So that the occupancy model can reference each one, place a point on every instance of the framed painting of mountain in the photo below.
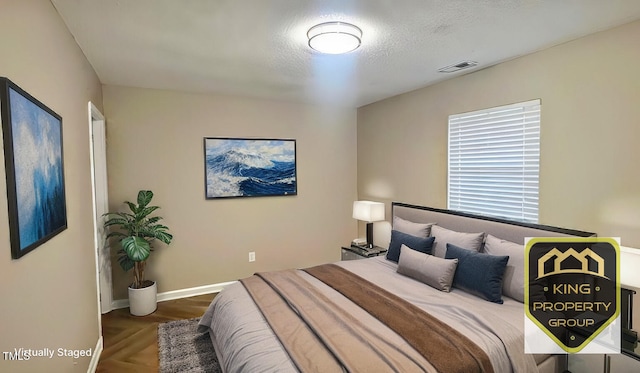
(237, 167)
(33, 156)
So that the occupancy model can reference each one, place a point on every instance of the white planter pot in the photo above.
(143, 301)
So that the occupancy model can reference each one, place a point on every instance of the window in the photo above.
(494, 158)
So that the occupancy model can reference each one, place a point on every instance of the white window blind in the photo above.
(494, 161)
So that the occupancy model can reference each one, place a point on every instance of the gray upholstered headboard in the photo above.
(462, 222)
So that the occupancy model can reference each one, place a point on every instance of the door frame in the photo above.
(99, 193)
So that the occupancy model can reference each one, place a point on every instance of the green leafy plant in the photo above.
(135, 232)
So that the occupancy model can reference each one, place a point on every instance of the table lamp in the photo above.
(629, 264)
(370, 212)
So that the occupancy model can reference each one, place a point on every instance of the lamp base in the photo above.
(369, 235)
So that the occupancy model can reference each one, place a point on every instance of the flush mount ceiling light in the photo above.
(334, 37)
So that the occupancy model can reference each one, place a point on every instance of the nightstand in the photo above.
(599, 363)
(355, 252)
(629, 358)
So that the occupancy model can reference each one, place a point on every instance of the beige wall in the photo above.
(589, 172)
(48, 297)
(155, 141)
(589, 146)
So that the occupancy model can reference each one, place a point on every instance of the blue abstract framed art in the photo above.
(33, 156)
(245, 167)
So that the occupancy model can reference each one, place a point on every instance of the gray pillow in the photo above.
(415, 229)
(435, 272)
(469, 241)
(513, 280)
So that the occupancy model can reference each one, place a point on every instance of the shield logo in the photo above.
(572, 288)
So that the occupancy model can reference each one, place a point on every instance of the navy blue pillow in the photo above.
(398, 238)
(478, 273)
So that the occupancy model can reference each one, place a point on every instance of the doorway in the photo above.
(97, 133)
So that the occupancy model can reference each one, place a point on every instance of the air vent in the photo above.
(458, 66)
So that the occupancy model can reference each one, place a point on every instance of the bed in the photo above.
(414, 309)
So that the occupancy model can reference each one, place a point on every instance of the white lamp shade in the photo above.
(334, 37)
(629, 264)
(368, 211)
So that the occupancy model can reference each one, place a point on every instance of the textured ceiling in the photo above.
(259, 48)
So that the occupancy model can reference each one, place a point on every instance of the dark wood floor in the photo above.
(131, 342)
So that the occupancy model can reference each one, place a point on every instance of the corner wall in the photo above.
(589, 132)
(48, 297)
(155, 141)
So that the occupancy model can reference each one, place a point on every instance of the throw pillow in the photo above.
(513, 281)
(477, 273)
(469, 241)
(428, 269)
(409, 227)
(417, 243)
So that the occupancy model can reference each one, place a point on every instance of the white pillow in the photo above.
(428, 269)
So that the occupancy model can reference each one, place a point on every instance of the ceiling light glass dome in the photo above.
(334, 37)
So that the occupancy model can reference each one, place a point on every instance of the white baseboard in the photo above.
(119, 303)
(178, 294)
(95, 357)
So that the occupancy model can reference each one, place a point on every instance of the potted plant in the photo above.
(135, 233)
